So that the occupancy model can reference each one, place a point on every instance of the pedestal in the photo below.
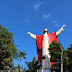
(44, 70)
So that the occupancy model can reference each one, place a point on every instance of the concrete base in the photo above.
(44, 70)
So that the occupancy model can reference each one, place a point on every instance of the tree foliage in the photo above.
(33, 65)
(69, 61)
(8, 50)
(55, 51)
(21, 55)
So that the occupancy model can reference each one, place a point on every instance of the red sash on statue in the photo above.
(39, 40)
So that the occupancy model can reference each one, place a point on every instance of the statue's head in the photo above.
(45, 30)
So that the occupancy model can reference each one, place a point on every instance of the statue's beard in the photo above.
(45, 32)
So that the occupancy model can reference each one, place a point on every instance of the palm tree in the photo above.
(33, 65)
(21, 56)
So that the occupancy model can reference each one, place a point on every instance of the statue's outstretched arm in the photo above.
(32, 35)
(60, 30)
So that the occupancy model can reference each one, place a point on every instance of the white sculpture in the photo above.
(46, 62)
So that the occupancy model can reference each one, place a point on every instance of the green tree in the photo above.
(55, 52)
(21, 55)
(56, 55)
(69, 60)
(8, 50)
(33, 65)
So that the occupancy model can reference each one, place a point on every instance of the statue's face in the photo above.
(45, 30)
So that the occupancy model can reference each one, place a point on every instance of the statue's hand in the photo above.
(28, 32)
(64, 25)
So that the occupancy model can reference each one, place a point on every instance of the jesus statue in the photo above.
(43, 42)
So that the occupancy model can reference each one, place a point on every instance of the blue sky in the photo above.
(22, 16)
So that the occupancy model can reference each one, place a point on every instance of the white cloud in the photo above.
(37, 5)
(57, 25)
(53, 21)
(45, 16)
(26, 20)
